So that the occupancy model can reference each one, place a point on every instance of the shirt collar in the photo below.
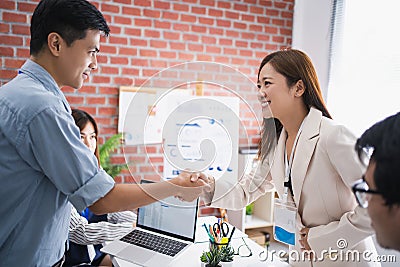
(37, 72)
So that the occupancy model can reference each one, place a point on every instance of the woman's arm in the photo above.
(121, 217)
(235, 194)
(84, 233)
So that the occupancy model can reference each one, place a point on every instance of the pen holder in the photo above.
(218, 245)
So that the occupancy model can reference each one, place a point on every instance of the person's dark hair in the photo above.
(384, 139)
(294, 65)
(82, 118)
(69, 18)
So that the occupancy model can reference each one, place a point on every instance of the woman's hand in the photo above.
(304, 239)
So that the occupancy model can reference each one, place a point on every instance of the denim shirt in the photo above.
(43, 165)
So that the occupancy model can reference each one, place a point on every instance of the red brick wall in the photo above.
(149, 36)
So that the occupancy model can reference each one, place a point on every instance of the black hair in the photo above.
(384, 139)
(69, 18)
(82, 118)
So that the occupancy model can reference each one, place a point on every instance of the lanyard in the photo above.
(288, 165)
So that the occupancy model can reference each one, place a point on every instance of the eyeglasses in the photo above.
(360, 190)
(244, 250)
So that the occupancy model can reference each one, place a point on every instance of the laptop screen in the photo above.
(170, 216)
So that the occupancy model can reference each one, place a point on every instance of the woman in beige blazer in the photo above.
(325, 165)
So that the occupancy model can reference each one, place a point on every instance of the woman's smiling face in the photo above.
(274, 93)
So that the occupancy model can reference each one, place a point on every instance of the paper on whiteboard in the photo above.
(202, 134)
(142, 113)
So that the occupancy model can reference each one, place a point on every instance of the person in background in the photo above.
(88, 231)
(379, 188)
(311, 163)
(38, 181)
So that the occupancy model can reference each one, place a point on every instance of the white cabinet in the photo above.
(262, 214)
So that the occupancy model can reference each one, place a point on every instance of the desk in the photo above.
(191, 257)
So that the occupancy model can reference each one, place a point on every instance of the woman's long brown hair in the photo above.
(294, 65)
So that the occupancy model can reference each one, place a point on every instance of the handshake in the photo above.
(191, 185)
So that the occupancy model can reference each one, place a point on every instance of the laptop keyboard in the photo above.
(154, 242)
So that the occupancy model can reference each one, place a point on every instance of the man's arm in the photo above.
(75, 171)
(132, 196)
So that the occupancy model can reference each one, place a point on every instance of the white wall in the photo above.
(311, 34)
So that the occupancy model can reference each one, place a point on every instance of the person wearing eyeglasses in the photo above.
(309, 160)
(379, 189)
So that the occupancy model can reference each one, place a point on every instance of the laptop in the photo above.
(165, 229)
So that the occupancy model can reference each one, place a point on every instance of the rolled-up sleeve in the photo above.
(58, 153)
(96, 187)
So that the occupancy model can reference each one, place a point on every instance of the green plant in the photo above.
(203, 257)
(227, 253)
(250, 209)
(105, 152)
(212, 258)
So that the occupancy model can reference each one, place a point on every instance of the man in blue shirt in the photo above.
(43, 163)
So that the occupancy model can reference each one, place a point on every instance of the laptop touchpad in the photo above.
(138, 255)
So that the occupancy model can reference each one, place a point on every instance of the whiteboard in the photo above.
(197, 132)
(202, 134)
(142, 112)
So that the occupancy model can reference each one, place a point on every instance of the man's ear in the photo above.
(299, 88)
(54, 42)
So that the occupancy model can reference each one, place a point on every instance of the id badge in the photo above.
(285, 213)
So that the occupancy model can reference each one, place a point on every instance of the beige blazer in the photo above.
(324, 168)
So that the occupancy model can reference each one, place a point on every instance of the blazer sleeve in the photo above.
(236, 193)
(354, 225)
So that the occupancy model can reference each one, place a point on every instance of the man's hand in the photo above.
(208, 191)
(189, 185)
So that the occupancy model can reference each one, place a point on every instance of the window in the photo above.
(364, 80)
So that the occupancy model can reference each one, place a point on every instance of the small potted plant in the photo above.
(211, 258)
(249, 212)
(227, 253)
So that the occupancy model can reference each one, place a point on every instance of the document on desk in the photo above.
(201, 234)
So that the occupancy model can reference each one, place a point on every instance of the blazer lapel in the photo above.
(304, 151)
